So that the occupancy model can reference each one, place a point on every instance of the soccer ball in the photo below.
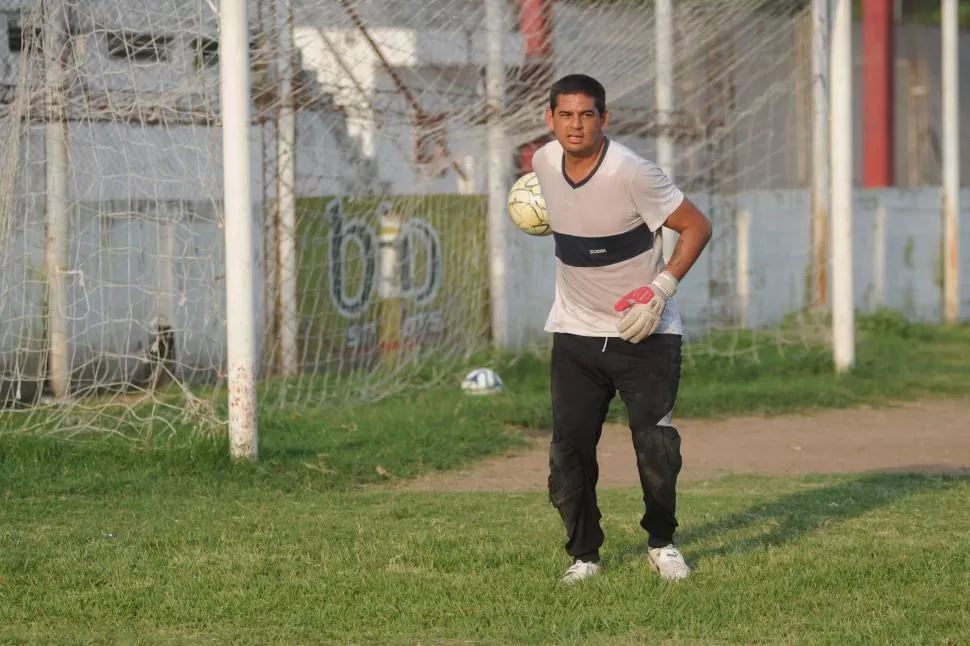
(527, 207)
(482, 381)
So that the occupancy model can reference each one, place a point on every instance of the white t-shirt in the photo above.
(607, 230)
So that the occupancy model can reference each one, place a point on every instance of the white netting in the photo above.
(110, 116)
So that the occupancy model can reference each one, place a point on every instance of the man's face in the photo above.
(577, 124)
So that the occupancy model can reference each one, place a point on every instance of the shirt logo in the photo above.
(596, 251)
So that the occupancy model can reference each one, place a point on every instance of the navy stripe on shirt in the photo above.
(602, 251)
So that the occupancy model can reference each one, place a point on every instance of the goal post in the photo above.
(238, 221)
(216, 211)
(54, 21)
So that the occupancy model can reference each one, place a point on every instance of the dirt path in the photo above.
(929, 437)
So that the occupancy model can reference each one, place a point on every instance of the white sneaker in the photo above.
(669, 562)
(581, 570)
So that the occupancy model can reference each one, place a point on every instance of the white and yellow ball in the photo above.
(527, 207)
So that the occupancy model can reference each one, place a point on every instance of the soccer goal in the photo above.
(300, 204)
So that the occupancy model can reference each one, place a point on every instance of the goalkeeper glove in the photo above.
(644, 307)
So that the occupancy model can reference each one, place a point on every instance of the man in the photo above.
(615, 327)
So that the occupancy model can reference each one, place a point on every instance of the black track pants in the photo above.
(586, 374)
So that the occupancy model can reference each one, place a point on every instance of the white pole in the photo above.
(879, 256)
(664, 96)
(286, 195)
(742, 259)
(240, 260)
(820, 150)
(165, 266)
(951, 162)
(664, 89)
(58, 206)
(843, 324)
(389, 284)
(499, 170)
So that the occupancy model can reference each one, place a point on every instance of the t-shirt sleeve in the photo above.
(654, 195)
(541, 165)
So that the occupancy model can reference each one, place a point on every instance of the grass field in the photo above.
(103, 541)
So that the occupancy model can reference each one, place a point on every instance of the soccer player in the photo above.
(615, 326)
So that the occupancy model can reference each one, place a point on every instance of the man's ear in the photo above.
(606, 117)
(549, 123)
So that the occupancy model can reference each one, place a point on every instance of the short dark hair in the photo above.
(578, 84)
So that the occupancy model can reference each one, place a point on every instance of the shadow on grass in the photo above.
(795, 515)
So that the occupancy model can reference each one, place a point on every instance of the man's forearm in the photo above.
(688, 249)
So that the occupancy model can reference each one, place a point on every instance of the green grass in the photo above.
(212, 558)
(747, 373)
(441, 428)
(895, 361)
(168, 541)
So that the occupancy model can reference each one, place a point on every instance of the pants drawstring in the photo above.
(605, 339)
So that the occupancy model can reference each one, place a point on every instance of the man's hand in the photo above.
(644, 306)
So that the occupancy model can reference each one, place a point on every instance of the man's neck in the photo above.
(578, 166)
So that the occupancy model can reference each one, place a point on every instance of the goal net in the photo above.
(369, 167)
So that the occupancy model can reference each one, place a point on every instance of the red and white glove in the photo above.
(643, 308)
